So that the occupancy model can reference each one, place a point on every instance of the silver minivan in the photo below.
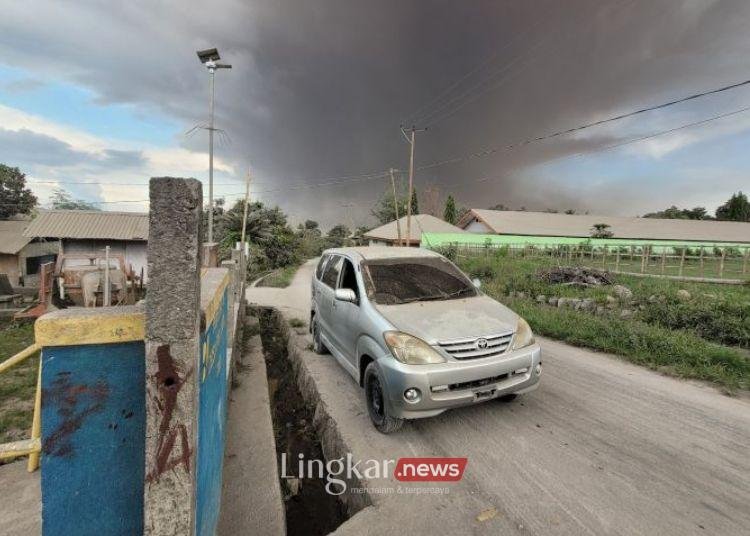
(417, 334)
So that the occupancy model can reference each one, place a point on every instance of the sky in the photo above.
(97, 97)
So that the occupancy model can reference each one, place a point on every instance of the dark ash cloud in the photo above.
(319, 89)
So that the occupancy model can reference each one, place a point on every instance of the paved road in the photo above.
(602, 447)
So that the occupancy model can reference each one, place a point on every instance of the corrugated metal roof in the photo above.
(420, 223)
(550, 224)
(89, 224)
(12, 239)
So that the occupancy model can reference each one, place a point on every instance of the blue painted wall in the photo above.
(212, 414)
(93, 426)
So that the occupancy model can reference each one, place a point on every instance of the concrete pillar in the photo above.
(172, 351)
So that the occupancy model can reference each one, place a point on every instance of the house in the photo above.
(88, 232)
(387, 235)
(21, 256)
(544, 224)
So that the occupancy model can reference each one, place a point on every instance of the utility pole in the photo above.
(244, 216)
(212, 72)
(411, 141)
(395, 205)
(210, 58)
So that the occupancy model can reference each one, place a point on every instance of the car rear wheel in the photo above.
(376, 406)
(318, 346)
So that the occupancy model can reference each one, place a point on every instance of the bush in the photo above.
(674, 351)
(727, 322)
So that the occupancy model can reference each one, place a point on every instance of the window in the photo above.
(396, 281)
(349, 277)
(321, 266)
(331, 271)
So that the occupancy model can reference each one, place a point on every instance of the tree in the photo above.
(414, 202)
(385, 210)
(449, 214)
(338, 236)
(737, 208)
(62, 200)
(675, 213)
(601, 230)
(15, 198)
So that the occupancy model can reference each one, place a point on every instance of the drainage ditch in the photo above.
(310, 510)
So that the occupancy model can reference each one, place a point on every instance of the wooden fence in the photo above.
(723, 263)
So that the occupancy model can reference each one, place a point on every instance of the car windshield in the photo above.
(395, 281)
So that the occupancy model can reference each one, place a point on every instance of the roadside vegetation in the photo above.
(17, 385)
(686, 329)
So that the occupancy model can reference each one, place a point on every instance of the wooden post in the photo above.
(663, 259)
(617, 261)
(395, 205)
(721, 262)
(604, 257)
(643, 259)
(702, 263)
(744, 261)
(682, 261)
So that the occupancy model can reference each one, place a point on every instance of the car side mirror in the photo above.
(345, 294)
(477, 282)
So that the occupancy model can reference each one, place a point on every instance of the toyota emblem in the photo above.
(481, 344)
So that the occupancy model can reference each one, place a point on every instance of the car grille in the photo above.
(475, 349)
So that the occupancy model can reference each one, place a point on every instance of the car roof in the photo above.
(383, 252)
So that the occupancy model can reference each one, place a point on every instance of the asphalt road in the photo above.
(602, 447)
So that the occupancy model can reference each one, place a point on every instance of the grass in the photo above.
(17, 385)
(706, 336)
(281, 278)
(675, 352)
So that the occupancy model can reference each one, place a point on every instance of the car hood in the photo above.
(434, 321)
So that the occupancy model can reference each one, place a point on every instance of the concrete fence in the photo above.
(134, 399)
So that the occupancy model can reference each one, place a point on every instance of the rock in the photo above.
(520, 294)
(600, 310)
(683, 295)
(553, 301)
(622, 292)
(588, 304)
(652, 299)
(573, 303)
(541, 298)
(626, 313)
(611, 302)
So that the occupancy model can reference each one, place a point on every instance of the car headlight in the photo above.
(411, 350)
(524, 336)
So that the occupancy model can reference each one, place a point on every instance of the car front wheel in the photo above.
(376, 405)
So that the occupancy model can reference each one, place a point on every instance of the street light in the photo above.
(209, 58)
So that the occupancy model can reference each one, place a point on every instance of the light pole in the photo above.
(209, 58)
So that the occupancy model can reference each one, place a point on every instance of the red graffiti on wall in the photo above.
(73, 403)
(169, 383)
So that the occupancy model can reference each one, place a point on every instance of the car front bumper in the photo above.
(458, 383)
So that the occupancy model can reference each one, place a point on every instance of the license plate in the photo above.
(479, 395)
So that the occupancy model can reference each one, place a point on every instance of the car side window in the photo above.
(331, 272)
(321, 266)
(349, 277)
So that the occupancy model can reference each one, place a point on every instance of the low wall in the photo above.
(93, 421)
(134, 399)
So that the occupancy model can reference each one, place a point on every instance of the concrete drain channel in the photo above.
(310, 510)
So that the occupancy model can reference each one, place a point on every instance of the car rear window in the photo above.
(395, 281)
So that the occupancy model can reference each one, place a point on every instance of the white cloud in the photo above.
(110, 180)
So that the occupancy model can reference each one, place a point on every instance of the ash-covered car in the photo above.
(417, 334)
